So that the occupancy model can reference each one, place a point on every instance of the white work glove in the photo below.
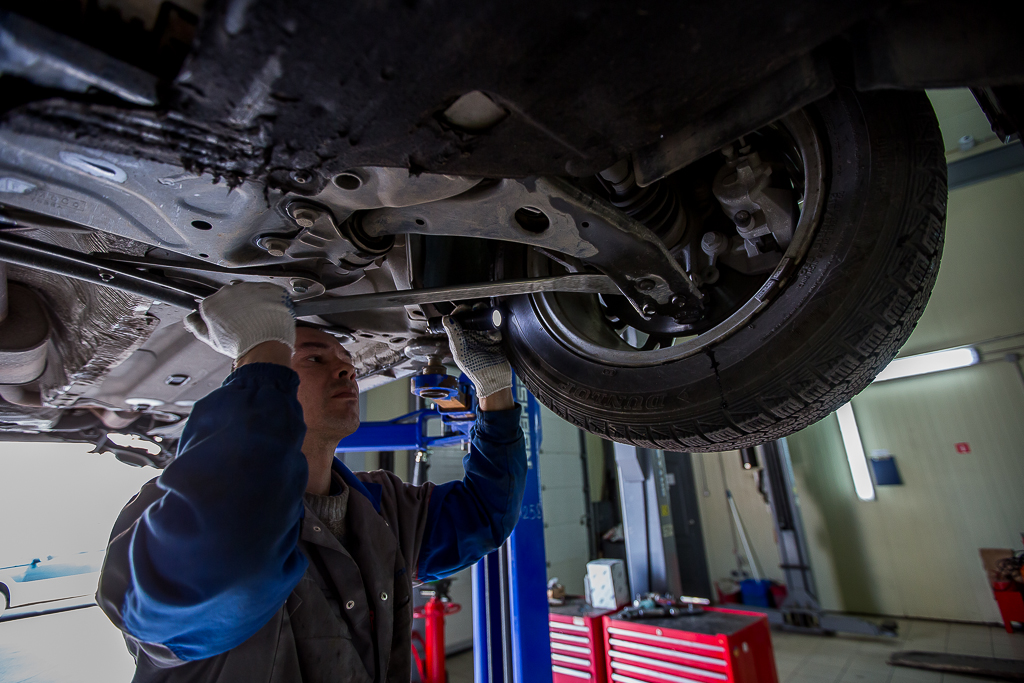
(479, 355)
(242, 315)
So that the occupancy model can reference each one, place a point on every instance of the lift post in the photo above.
(651, 556)
(651, 552)
(510, 605)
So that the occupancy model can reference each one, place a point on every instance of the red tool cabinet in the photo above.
(719, 645)
(577, 643)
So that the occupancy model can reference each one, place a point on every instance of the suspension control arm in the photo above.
(554, 215)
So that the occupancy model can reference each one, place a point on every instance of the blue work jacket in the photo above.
(218, 571)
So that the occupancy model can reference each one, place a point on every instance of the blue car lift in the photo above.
(510, 606)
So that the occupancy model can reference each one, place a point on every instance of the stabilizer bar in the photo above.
(127, 277)
(22, 251)
(583, 283)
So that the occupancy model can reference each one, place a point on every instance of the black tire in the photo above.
(841, 318)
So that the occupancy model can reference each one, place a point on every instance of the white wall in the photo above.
(561, 478)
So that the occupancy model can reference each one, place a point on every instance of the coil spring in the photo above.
(657, 206)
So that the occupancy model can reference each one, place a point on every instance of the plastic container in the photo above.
(728, 592)
(779, 593)
(755, 593)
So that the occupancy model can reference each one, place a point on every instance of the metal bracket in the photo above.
(741, 187)
(408, 432)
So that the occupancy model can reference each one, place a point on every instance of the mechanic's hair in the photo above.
(298, 324)
(311, 326)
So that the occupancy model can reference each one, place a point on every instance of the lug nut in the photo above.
(648, 310)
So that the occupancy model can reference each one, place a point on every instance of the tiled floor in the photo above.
(852, 659)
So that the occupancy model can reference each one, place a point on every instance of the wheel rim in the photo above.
(577, 320)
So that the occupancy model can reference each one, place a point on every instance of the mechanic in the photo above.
(257, 555)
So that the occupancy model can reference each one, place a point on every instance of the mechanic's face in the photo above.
(327, 387)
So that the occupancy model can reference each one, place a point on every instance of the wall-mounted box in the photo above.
(883, 466)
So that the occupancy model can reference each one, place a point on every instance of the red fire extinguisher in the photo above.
(432, 670)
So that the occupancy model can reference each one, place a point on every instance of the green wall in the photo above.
(981, 278)
(914, 550)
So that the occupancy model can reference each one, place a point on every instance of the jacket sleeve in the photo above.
(209, 561)
(469, 518)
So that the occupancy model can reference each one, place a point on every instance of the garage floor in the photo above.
(81, 646)
(843, 659)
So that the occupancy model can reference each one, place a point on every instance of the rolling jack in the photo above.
(431, 666)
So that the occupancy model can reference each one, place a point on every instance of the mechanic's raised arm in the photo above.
(468, 519)
(210, 560)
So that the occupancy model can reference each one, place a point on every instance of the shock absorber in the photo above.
(657, 206)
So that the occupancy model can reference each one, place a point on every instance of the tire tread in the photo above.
(865, 344)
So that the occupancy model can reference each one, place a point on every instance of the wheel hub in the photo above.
(738, 275)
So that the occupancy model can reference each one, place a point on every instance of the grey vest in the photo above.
(322, 632)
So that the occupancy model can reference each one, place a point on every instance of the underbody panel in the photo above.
(404, 156)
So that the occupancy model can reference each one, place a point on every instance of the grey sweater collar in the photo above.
(331, 509)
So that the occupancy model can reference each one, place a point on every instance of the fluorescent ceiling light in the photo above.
(924, 363)
(855, 453)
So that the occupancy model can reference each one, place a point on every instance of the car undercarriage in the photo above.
(636, 186)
